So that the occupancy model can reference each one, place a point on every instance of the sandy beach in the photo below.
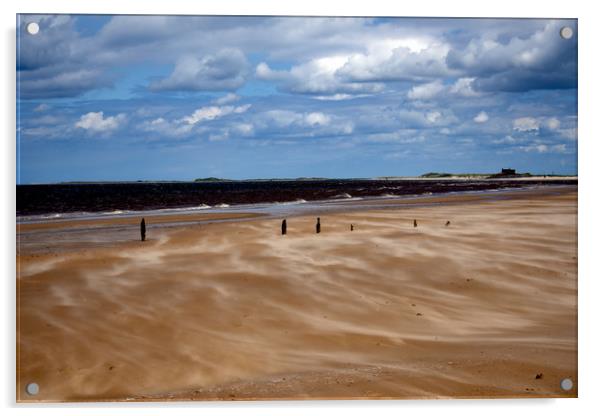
(485, 307)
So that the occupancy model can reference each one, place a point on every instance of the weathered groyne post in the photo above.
(318, 227)
(284, 227)
(415, 224)
(351, 227)
(142, 230)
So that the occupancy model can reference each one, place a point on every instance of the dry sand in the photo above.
(237, 311)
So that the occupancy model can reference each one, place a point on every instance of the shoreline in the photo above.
(104, 231)
(271, 209)
(302, 195)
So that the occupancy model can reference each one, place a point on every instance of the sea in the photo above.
(46, 202)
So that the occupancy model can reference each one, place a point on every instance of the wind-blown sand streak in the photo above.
(237, 311)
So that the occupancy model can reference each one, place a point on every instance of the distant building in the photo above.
(509, 173)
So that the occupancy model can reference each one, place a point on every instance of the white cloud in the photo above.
(544, 148)
(482, 117)
(418, 119)
(167, 128)
(397, 155)
(227, 99)
(317, 76)
(570, 134)
(281, 118)
(338, 97)
(403, 136)
(318, 122)
(317, 119)
(47, 119)
(526, 124)
(517, 62)
(242, 108)
(552, 123)
(463, 87)
(41, 107)
(213, 112)
(284, 118)
(224, 70)
(96, 122)
(403, 58)
(433, 116)
(507, 140)
(243, 129)
(426, 91)
(219, 137)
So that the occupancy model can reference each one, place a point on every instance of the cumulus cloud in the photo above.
(196, 123)
(395, 81)
(433, 116)
(96, 122)
(53, 64)
(411, 119)
(406, 58)
(166, 128)
(224, 70)
(482, 117)
(552, 123)
(232, 131)
(507, 140)
(52, 48)
(539, 60)
(570, 134)
(426, 91)
(284, 118)
(544, 148)
(317, 76)
(243, 129)
(60, 82)
(526, 124)
(327, 56)
(365, 65)
(315, 121)
(463, 87)
(41, 107)
(227, 99)
(214, 112)
(402, 136)
(339, 97)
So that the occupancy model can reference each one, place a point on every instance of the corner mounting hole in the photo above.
(566, 32)
(566, 384)
(32, 389)
(33, 28)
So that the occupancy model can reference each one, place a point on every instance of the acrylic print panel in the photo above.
(234, 208)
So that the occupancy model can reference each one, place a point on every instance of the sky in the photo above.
(108, 98)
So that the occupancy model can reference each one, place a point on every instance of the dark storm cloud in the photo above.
(53, 64)
(540, 60)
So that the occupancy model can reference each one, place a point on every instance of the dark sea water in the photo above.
(58, 199)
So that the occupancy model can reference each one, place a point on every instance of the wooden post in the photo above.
(142, 230)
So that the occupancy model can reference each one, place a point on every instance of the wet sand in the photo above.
(236, 311)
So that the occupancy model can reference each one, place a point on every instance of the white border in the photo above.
(590, 371)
